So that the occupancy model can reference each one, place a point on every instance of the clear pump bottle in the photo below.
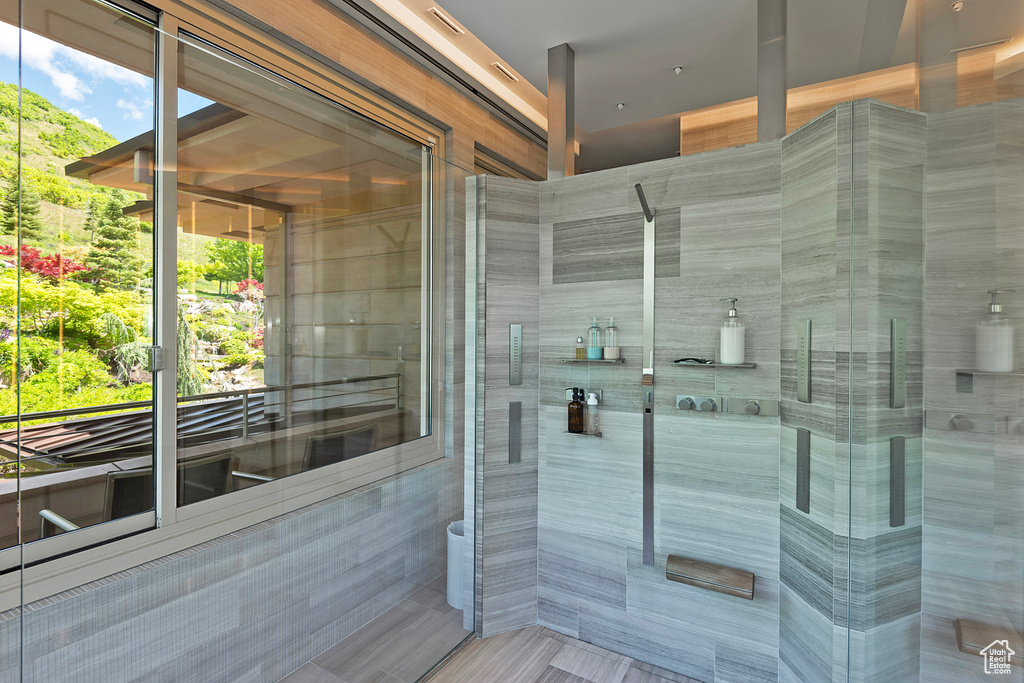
(592, 425)
(611, 341)
(594, 348)
(993, 342)
(733, 337)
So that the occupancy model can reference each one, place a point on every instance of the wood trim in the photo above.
(712, 577)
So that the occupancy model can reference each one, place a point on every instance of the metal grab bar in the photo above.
(54, 519)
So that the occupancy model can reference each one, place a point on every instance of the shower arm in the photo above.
(648, 214)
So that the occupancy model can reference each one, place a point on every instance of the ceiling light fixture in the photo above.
(504, 71)
(678, 70)
(620, 105)
(958, 5)
(445, 20)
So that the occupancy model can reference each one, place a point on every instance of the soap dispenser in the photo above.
(581, 349)
(611, 341)
(594, 348)
(592, 426)
(993, 338)
(733, 337)
(576, 413)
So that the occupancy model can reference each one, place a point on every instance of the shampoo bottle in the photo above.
(581, 349)
(733, 337)
(993, 338)
(611, 341)
(594, 347)
(576, 408)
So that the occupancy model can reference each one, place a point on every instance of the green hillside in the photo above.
(50, 139)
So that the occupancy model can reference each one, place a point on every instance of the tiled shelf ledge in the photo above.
(985, 373)
(689, 364)
(592, 360)
(596, 434)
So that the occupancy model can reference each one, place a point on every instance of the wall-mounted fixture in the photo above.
(703, 404)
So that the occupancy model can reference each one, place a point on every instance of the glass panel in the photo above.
(77, 266)
(302, 281)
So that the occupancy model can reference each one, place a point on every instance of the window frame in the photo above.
(64, 561)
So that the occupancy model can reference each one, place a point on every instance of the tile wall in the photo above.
(250, 606)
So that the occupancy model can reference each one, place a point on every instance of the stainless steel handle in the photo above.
(708, 405)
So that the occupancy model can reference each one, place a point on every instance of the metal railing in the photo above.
(246, 396)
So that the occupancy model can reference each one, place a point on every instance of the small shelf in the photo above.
(592, 360)
(597, 435)
(691, 364)
(972, 371)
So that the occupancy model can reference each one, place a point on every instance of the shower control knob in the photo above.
(752, 408)
(685, 403)
(708, 405)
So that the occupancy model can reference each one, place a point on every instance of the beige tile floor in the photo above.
(539, 655)
(399, 646)
(404, 643)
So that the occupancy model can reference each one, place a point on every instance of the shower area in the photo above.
(847, 503)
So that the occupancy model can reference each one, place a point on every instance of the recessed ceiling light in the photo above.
(504, 71)
(678, 70)
(958, 5)
(620, 105)
(440, 16)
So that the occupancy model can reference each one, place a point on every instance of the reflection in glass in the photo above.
(300, 282)
(75, 267)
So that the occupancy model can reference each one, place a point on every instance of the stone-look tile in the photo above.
(603, 193)
(598, 249)
(716, 527)
(582, 567)
(713, 615)
(942, 661)
(228, 593)
(890, 652)
(555, 675)
(506, 227)
(806, 561)
(590, 666)
(805, 640)
(707, 456)
(736, 661)
(886, 578)
(558, 611)
(649, 639)
(592, 486)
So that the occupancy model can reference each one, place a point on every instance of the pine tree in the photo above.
(114, 253)
(31, 224)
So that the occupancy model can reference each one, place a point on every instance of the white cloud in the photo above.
(66, 68)
(132, 110)
(93, 120)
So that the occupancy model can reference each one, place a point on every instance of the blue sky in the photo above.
(117, 99)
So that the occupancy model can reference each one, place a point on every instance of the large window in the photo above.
(301, 242)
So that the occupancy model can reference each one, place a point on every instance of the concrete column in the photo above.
(561, 111)
(771, 69)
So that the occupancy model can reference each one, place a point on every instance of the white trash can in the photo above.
(456, 535)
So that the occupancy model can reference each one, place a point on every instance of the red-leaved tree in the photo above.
(53, 267)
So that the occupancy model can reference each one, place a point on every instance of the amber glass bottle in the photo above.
(577, 415)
